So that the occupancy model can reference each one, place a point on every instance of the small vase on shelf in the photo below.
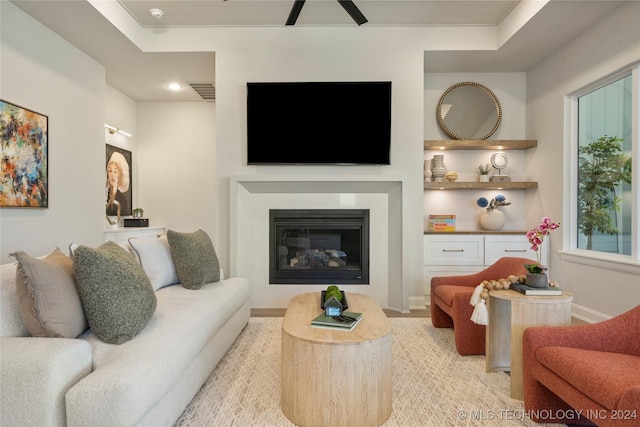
(437, 168)
(492, 220)
(484, 178)
(427, 170)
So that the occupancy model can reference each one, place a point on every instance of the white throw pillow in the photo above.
(155, 257)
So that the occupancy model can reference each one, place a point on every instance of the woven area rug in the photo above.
(432, 384)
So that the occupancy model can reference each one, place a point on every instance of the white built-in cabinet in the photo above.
(457, 254)
(122, 235)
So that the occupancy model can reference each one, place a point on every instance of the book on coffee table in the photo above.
(528, 290)
(327, 322)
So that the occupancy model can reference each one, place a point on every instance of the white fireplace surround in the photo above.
(253, 195)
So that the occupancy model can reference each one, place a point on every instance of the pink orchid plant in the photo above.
(536, 237)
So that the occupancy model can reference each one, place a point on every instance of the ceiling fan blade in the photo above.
(353, 11)
(295, 11)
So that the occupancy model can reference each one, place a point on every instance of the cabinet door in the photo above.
(430, 271)
(516, 245)
(453, 250)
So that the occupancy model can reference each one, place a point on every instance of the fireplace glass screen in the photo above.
(319, 246)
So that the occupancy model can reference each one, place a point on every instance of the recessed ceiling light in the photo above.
(174, 86)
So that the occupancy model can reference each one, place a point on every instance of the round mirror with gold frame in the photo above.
(469, 110)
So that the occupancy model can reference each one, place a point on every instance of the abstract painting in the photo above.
(24, 158)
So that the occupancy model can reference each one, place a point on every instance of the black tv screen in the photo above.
(319, 123)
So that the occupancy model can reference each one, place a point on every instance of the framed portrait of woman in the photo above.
(118, 182)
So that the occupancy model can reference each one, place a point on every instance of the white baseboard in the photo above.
(417, 303)
(587, 315)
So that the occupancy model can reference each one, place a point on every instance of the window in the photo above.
(604, 192)
(605, 201)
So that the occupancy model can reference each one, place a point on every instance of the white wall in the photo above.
(602, 50)
(177, 166)
(122, 112)
(326, 55)
(42, 72)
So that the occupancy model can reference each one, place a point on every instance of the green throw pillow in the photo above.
(195, 259)
(116, 293)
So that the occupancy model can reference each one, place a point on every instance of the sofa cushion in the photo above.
(130, 378)
(48, 296)
(154, 255)
(115, 291)
(446, 292)
(604, 377)
(194, 257)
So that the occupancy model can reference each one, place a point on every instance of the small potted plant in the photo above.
(484, 173)
(137, 213)
(536, 273)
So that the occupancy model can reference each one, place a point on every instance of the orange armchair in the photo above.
(591, 371)
(450, 306)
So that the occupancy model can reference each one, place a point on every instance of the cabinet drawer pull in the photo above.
(515, 250)
(453, 250)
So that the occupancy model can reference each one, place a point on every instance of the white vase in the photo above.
(492, 221)
(427, 170)
(437, 168)
(484, 178)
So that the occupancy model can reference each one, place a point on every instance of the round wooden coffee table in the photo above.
(336, 378)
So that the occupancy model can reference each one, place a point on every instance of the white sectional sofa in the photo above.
(148, 380)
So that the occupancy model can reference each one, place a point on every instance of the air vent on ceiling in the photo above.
(206, 90)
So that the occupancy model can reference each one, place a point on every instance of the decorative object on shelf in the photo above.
(137, 213)
(437, 168)
(442, 223)
(451, 176)
(536, 273)
(499, 161)
(136, 222)
(469, 110)
(25, 151)
(492, 219)
(484, 173)
(427, 170)
(498, 200)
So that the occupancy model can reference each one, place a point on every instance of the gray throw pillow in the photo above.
(115, 291)
(48, 296)
(194, 257)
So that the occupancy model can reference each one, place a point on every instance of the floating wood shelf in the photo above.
(480, 144)
(480, 185)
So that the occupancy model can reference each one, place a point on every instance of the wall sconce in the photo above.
(112, 130)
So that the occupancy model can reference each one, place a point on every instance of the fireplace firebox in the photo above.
(311, 246)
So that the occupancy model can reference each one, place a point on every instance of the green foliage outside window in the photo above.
(602, 168)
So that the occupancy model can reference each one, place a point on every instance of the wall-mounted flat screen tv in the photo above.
(319, 123)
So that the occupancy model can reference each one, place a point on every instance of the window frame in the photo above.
(570, 251)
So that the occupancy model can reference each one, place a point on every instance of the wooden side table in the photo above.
(336, 378)
(510, 313)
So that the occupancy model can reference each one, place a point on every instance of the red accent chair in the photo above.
(450, 306)
(592, 369)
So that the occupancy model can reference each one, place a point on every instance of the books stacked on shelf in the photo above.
(442, 223)
(528, 290)
(342, 323)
